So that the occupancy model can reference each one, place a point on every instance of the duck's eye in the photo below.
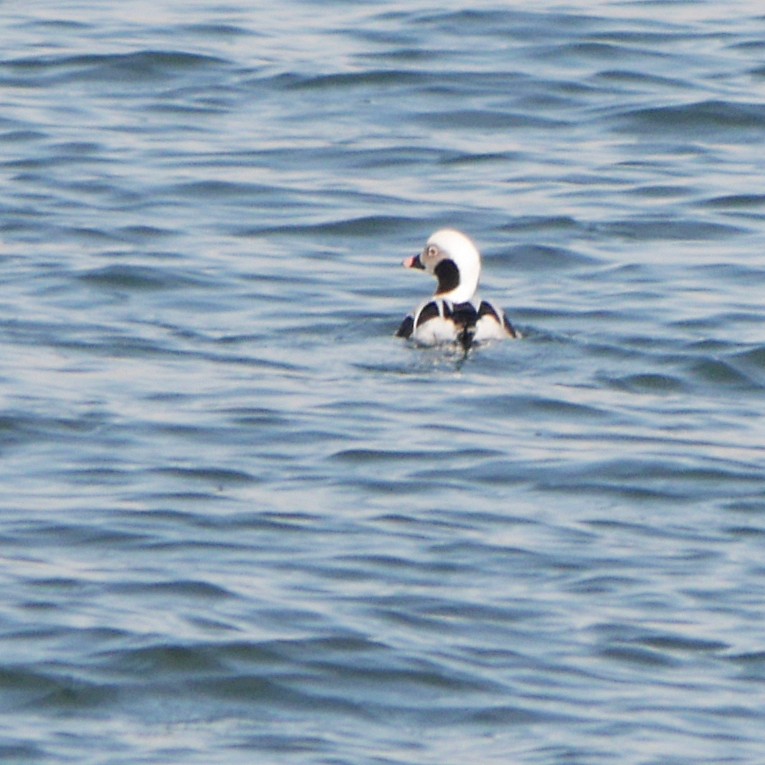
(431, 251)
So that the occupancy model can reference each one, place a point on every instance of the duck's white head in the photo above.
(454, 260)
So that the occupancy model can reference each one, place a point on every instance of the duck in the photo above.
(454, 315)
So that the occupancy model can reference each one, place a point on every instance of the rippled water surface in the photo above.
(241, 522)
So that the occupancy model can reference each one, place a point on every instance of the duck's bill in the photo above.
(413, 262)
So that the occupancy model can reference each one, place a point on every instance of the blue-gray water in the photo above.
(240, 522)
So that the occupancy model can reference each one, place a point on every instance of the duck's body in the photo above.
(439, 321)
(454, 314)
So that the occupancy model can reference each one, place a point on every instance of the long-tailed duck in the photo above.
(454, 314)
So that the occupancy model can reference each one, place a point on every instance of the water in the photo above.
(241, 522)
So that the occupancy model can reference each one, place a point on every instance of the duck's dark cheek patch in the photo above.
(448, 276)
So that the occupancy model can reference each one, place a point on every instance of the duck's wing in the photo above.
(422, 315)
(406, 328)
(488, 309)
(431, 324)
